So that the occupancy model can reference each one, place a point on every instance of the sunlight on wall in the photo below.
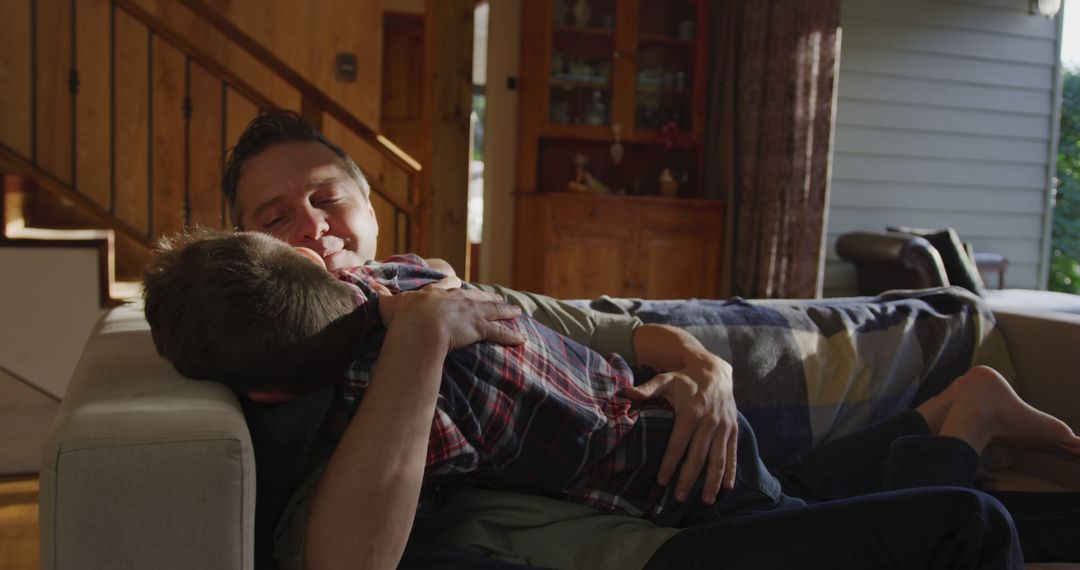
(1070, 35)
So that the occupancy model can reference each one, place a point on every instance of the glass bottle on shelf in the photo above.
(666, 54)
(583, 48)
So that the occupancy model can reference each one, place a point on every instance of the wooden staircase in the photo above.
(18, 192)
(117, 130)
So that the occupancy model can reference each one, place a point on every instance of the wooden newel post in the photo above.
(448, 35)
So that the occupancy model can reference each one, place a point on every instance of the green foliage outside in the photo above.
(1065, 245)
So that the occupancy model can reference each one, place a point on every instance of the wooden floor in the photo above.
(19, 523)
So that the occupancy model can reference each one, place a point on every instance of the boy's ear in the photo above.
(271, 396)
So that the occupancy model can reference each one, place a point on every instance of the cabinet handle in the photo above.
(628, 284)
(641, 286)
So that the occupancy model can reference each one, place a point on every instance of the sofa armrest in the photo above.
(1043, 350)
(144, 468)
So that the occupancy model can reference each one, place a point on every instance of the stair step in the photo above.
(125, 291)
(50, 234)
(119, 292)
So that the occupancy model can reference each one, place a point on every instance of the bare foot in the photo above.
(984, 408)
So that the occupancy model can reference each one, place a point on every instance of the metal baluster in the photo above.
(187, 140)
(150, 134)
(73, 88)
(33, 82)
(221, 158)
(112, 109)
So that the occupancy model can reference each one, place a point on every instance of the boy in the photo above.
(548, 415)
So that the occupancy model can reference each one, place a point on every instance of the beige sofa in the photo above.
(145, 469)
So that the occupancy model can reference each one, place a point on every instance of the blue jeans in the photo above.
(888, 496)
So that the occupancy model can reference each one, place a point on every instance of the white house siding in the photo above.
(944, 118)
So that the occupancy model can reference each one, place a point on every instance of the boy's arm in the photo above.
(363, 507)
(698, 385)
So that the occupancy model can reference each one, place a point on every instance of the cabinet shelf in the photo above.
(635, 69)
(576, 31)
(604, 85)
(666, 40)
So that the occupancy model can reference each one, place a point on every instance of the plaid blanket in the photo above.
(810, 370)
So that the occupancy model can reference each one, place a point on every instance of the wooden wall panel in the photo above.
(92, 112)
(168, 137)
(384, 213)
(53, 98)
(131, 124)
(15, 127)
(403, 73)
(239, 111)
(205, 148)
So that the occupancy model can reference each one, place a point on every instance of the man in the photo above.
(285, 179)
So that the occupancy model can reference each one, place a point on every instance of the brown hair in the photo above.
(265, 131)
(246, 310)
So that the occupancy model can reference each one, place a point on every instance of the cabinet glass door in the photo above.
(665, 63)
(582, 62)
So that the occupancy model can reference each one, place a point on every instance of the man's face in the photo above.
(300, 193)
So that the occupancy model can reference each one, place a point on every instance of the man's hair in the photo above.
(246, 310)
(274, 128)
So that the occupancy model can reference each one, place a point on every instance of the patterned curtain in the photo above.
(769, 139)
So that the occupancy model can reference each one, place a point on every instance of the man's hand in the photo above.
(462, 317)
(698, 385)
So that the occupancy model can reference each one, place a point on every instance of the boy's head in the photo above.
(246, 310)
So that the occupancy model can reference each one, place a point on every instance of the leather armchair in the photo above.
(892, 260)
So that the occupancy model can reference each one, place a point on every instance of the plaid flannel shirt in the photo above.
(546, 416)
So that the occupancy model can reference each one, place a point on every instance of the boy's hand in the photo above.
(706, 430)
(699, 386)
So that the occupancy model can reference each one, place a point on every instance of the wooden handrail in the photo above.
(203, 59)
(309, 92)
(58, 188)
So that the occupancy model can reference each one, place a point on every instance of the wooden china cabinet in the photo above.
(611, 130)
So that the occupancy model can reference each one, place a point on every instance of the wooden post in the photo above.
(448, 35)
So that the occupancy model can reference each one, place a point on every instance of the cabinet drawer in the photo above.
(592, 211)
(682, 216)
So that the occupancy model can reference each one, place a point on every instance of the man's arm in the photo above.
(363, 507)
(441, 265)
(698, 385)
(603, 332)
